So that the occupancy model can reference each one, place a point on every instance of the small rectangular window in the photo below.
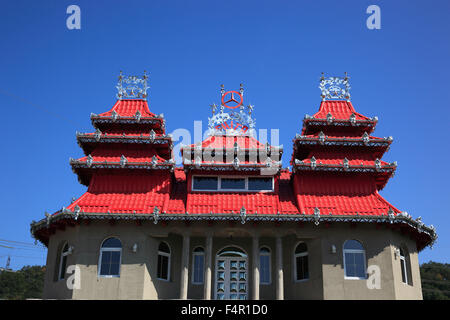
(232, 183)
(205, 183)
(260, 184)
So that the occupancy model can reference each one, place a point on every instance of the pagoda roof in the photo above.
(88, 141)
(338, 113)
(128, 108)
(139, 197)
(243, 142)
(128, 111)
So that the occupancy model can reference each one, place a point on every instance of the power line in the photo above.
(22, 243)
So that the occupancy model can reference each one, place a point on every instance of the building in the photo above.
(231, 223)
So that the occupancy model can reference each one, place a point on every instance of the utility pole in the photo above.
(8, 262)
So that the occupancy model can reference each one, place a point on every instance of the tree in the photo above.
(435, 280)
(25, 283)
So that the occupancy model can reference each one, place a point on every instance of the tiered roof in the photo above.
(130, 173)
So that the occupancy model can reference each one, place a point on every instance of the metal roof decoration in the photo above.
(132, 87)
(334, 88)
(232, 118)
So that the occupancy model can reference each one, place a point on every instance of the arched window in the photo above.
(198, 263)
(110, 258)
(301, 270)
(405, 266)
(264, 265)
(63, 261)
(163, 270)
(354, 260)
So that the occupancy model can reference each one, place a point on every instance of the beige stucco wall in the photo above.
(138, 270)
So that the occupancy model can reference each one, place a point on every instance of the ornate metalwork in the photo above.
(229, 121)
(316, 216)
(155, 215)
(243, 214)
(334, 88)
(123, 161)
(132, 87)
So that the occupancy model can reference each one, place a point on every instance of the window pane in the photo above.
(259, 184)
(115, 257)
(264, 269)
(302, 268)
(232, 183)
(163, 247)
(205, 183)
(198, 268)
(163, 267)
(354, 265)
(112, 243)
(105, 263)
(114, 270)
(62, 271)
(353, 244)
(301, 248)
(402, 265)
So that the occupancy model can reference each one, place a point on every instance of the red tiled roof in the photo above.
(128, 108)
(340, 195)
(339, 109)
(124, 193)
(224, 141)
(354, 158)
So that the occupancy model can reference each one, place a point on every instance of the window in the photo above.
(205, 183)
(354, 260)
(232, 183)
(63, 261)
(110, 258)
(405, 266)
(260, 184)
(163, 270)
(198, 262)
(301, 262)
(264, 265)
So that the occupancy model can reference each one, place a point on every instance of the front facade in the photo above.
(231, 223)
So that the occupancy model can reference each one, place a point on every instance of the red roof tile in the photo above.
(128, 108)
(340, 195)
(339, 109)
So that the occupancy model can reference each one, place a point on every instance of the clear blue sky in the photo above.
(52, 78)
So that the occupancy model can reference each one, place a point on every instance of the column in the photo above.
(255, 264)
(208, 258)
(184, 267)
(279, 269)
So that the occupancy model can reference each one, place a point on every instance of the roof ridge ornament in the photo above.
(132, 87)
(232, 118)
(337, 88)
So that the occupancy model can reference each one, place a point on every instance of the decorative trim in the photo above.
(391, 218)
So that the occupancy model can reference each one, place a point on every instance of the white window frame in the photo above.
(202, 253)
(296, 255)
(219, 182)
(165, 254)
(269, 254)
(100, 258)
(403, 265)
(62, 276)
(363, 251)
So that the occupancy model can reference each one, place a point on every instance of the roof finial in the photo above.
(132, 87)
(335, 88)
